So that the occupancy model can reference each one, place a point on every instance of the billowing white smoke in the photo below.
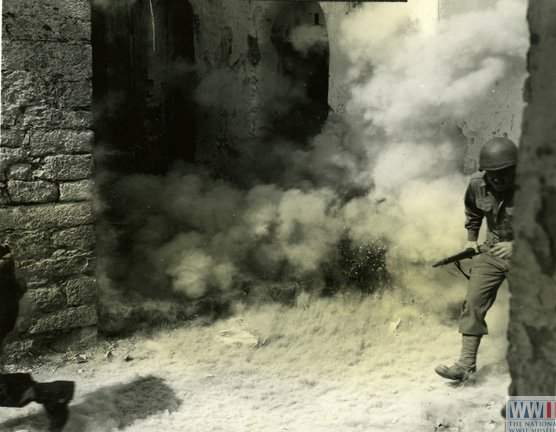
(421, 79)
(397, 146)
(417, 202)
(411, 85)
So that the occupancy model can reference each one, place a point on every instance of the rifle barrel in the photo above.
(467, 253)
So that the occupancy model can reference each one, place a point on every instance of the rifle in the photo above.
(467, 253)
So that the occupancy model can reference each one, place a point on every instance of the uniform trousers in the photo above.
(487, 274)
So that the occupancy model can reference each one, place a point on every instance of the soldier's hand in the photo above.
(502, 250)
(471, 245)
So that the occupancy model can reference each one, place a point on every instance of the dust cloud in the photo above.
(420, 80)
(390, 170)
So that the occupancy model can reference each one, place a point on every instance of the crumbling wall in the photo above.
(532, 328)
(46, 167)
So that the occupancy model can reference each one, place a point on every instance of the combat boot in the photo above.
(55, 397)
(467, 362)
(455, 372)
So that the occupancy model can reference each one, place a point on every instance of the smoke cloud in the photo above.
(390, 168)
(420, 80)
(412, 86)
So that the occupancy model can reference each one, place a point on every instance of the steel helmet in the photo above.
(497, 153)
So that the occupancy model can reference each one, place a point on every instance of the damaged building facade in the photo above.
(93, 91)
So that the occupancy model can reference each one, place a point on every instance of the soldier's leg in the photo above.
(16, 390)
(468, 354)
(55, 396)
(19, 389)
(486, 277)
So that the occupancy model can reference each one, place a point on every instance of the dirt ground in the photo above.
(344, 364)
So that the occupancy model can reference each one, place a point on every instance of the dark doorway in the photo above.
(300, 37)
(144, 119)
(143, 77)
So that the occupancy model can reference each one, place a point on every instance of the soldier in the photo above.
(489, 196)
(19, 389)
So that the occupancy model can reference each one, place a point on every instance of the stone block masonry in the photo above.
(46, 168)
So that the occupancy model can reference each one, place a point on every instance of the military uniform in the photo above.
(488, 272)
(489, 197)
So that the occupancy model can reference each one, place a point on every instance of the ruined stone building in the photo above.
(93, 91)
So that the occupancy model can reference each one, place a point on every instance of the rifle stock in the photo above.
(467, 253)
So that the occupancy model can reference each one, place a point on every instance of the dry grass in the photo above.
(343, 364)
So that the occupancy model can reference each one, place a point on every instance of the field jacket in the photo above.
(481, 202)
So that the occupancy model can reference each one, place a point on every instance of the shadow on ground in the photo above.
(108, 408)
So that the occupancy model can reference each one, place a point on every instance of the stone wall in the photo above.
(532, 329)
(46, 167)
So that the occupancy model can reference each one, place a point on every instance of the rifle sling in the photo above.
(458, 265)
